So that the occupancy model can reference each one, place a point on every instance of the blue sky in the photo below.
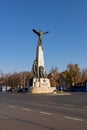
(66, 42)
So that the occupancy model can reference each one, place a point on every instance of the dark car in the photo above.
(22, 90)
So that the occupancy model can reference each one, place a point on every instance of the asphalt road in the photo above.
(43, 112)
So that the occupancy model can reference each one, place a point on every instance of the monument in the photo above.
(40, 83)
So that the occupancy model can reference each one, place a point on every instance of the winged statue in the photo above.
(40, 34)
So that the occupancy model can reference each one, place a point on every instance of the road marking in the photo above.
(11, 106)
(72, 118)
(69, 105)
(2, 117)
(46, 113)
(85, 106)
(26, 109)
(52, 103)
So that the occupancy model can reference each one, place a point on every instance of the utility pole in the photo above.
(24, 80)
(21, 79)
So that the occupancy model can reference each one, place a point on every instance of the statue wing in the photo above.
(36, 31)
(46, 32)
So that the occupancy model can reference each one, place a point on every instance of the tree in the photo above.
(54, 77)
(73, 74)
(16, 79)
(63, 78)
(83, 75)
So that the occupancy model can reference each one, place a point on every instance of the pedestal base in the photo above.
(41, 85)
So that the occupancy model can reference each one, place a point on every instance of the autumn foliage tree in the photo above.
(73, 74)
(54, 77)
(83, 76)
(16, 79)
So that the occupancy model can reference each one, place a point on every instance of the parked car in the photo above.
(22, 90)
